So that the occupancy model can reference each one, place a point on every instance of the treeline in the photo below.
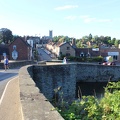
(6, 36)
(90, 41)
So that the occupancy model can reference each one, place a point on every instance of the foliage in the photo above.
(95, 59)
(82, 59)
(90, 108)
(61, 39)
(111, 101)
(6, 35)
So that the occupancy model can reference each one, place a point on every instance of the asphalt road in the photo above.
(43, 55)
(5, 76)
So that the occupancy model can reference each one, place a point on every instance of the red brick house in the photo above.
(19, 50)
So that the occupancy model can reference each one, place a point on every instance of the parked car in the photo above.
(104, 63)
(109, 63)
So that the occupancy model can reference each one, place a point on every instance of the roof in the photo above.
(65, 43)
(86, 50)
(21, 40)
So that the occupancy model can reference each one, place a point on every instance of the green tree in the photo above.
(90, 36)
(116, 43)
(79, 44)
(1, 38)
(56, 38)
(6, 35)
(113, 41)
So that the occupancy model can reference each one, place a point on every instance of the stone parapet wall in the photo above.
(14, 64)
(97, 73)
(49, 78)
(35, 105)
(40, 83)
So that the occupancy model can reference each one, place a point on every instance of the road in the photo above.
(5, 76)
(43, 55)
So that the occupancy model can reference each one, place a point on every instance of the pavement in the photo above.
(10, 105)
(22, 100)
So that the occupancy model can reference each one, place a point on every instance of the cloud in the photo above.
(71, 17)
(88, 19)
(66, 7)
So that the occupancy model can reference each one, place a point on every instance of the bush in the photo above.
(82, 59)
(90, 108)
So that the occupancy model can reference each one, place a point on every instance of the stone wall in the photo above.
(15, 64)
(61, 78)
(49, 78)
(53, 78)
(35, 106)
(97, 73)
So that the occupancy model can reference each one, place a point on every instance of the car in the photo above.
(111, 63)
(104, 63)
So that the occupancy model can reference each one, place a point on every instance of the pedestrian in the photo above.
(6, 62)
(64, 60)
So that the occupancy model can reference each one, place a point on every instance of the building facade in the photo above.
(19, 50)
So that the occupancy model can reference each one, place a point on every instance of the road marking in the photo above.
(1, 99)
(5, 90)
(2, 71)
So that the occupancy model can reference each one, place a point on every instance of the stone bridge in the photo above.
(38, 84)
(48, 78)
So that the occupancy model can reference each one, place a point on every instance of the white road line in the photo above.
(1, 99)
(5, 90)
(2, 71)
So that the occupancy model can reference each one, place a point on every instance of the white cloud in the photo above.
(71, 17)
(88, 19)
(66, 7)
(104, 20)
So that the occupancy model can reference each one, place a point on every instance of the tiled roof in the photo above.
(21, 40)
(86, 50)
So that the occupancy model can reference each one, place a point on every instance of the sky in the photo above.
(72, 18)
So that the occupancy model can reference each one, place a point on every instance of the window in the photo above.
(14, 47)
(68, 48)
(115, 57)
(81, 54)
(88, 55)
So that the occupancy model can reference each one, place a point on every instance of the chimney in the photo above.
(73, 43)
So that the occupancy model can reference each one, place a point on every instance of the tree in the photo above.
(6, 35)
(90, 36)
(116, 43)
(1, 38)
(79, 44)
(56, 38)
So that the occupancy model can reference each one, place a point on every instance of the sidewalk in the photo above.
(10, 105)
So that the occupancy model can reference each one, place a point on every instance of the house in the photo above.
(4, 51)
(87, 52)
(110, 51)
(66, 49)
(59, 49)
(19, 49)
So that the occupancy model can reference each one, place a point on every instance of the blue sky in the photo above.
(73, 18)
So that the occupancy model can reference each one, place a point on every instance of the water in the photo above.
(90, 88)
